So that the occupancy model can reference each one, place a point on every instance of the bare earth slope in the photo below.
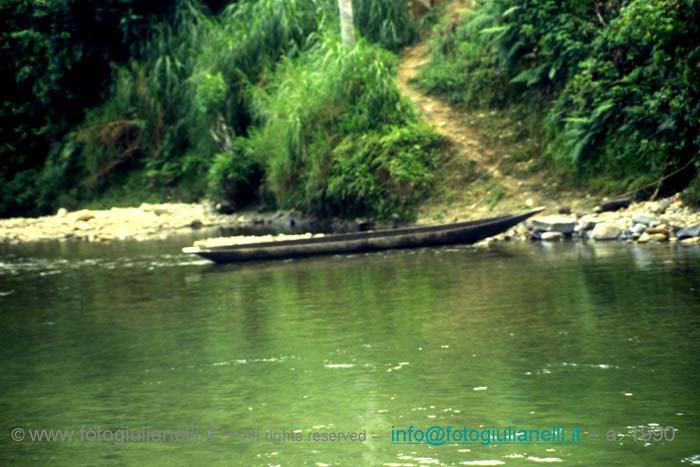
(480, 179)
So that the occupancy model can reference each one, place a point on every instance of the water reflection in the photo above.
(602, 336)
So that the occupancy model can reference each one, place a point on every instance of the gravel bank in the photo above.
(667, 220)
(146, 222)
(664, 221)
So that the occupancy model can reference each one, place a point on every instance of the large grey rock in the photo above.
(646, 219)
(689, 232)
(606, 231)
(666, 202)
(82, 225)
(562, 224)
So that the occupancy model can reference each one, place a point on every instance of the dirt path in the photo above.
(476, 181)
(447, 120)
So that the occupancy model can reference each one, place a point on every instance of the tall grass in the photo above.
(387, 22)
(185, 99)
(331, 117)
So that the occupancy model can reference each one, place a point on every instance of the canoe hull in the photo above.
(412, 237)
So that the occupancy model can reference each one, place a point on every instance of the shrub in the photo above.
(383, 173)
(507, 47)
(462, 71)
(634, 105)
(234, 177)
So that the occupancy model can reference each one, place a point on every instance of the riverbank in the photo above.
(160, 221)
(666, 220)
(145, 222)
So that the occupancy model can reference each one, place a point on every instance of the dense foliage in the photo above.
(127, 99)
(48, 49)
(339, 137)
(617, 81)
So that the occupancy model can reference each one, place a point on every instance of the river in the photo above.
(149, 357)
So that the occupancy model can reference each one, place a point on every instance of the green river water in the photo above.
(139, 337)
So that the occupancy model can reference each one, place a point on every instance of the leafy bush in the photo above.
(234, 177)
(19, 194)
(383, 173)
(56, 60)
(634, 105)
(462, 70)
(506, 47)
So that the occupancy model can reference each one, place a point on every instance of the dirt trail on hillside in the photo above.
(477, 184)
(447, 120)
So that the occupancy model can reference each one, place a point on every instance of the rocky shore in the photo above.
(667, 220)
(146, 222)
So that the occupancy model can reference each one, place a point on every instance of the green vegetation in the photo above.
(691, 195)
(257, 100)
(235, 176)
(230, 100)
(338, 136)
(610, 89)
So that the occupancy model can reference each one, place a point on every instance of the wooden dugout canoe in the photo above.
(406, 237)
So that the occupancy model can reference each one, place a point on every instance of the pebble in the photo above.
(83, 216)
(551, 236)
(659, 229)
(638, 229)
(584, 226)
(646, 237)
(675, 222)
